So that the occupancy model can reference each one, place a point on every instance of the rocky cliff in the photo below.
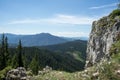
(105, 32)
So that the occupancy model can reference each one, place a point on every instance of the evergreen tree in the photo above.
(7, 59)
(14, 62)
(4, 53)
(34, 65)
(19, 48)
(24, 60)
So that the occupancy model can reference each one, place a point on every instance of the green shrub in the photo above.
(4, 71)
(115, 49)
(107, 71)
(115, 13)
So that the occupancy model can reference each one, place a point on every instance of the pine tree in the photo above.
(19, 48)
(4, 53)
(24, 60)
(7, 58)
(2, 56)
(14, 62)
(34, 65)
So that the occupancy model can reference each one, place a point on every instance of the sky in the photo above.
(68, 18)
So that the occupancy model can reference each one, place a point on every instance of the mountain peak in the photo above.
(35, 40)
(44, 34)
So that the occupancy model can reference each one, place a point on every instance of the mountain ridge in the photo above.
(40, 39)
(35, 40)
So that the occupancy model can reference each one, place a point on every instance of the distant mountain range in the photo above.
(41, 39)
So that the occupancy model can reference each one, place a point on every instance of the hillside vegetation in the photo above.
(68, 58)
(76, 48)
(104, 70)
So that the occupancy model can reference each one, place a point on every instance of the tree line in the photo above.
(18, 59)
(36, 58)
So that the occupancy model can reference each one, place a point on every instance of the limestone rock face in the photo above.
(17, 74)
(104, 33)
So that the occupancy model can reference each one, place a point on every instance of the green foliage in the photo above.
(107, 22)
(67, 59)
(29, 73)
(34, 65)
(115, 48)
(24, 61)
(4, 54)
(20, 60)
(107, 71)
(115, 51)
(4, 71)
(115, 13)
(78, 47)
(57, 61)
(14, 62)
(7, 55)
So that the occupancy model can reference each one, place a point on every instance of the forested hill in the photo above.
(78, 45)
(34, 40)
(58, 61)
(69, 56)
(75, 48)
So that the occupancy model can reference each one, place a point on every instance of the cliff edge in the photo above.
(105, 32)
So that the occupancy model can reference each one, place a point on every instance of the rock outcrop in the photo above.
(17, 74)
(104, 33)
(45, 70)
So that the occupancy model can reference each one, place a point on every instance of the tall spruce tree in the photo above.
(34, 65)
(20, 60)
(14, 61)
(4, 55)
(7, 58)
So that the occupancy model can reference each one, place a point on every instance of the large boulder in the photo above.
(45, 70)
(17, 74)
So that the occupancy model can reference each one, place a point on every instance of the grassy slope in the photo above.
(106, 69)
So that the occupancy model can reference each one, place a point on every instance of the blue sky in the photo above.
(69, 18)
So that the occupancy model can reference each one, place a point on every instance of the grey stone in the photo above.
(17, 74)
(102, 36)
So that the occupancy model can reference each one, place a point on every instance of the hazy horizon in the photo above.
(46, 33)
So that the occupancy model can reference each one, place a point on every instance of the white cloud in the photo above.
(104, 6)
(58, 19)
(25, 21)
(72, 34)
